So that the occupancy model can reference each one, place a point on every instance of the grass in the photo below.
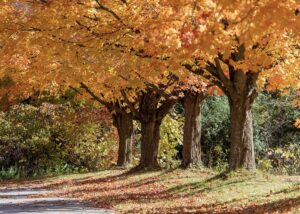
(177, 191)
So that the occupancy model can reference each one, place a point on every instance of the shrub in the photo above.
(171, 137)
(282, 160)
(274, 117)
(49, 140)
(215, 136)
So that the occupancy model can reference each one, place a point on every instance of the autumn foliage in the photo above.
(141, 55)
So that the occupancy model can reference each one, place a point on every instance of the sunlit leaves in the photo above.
(112, 45)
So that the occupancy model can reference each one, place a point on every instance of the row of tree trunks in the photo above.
(241, 149)
(150, 131)
(152, 109)
(241, 97)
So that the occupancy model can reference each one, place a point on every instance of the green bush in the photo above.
(282, 160)
(215, 136)
(274, 117)
(9, 173)
(49, 140)
(170, 138)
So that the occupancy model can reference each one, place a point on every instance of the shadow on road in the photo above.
(13, 201)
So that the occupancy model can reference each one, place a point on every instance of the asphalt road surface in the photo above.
(14, 201)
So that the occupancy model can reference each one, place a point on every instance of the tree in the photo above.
(123, 122)
(154, 102)
(192, 130)
(148, 104)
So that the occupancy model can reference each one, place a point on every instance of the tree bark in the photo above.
(241, 148)
(150, 144)
(151, 116)
(240, 100)
(192, 130)
(124, 125)
(153, 106)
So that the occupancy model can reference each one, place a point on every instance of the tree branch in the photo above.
(165, 108)
(131, 107)
(213, 78)
(226, 82)
(102, 7)
(94, 96)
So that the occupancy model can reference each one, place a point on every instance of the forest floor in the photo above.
(176, 191)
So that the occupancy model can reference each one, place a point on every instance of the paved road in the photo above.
(14, 201)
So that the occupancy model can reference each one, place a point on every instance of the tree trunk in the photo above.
(150, 144)
(124, 125)
(150, 115)
(192, 130)
(242, 147)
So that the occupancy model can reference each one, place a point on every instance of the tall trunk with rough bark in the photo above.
(241, 148)
(151, 116)
(192, 130)
(124, 124)
(150, 144)
(240, 101)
